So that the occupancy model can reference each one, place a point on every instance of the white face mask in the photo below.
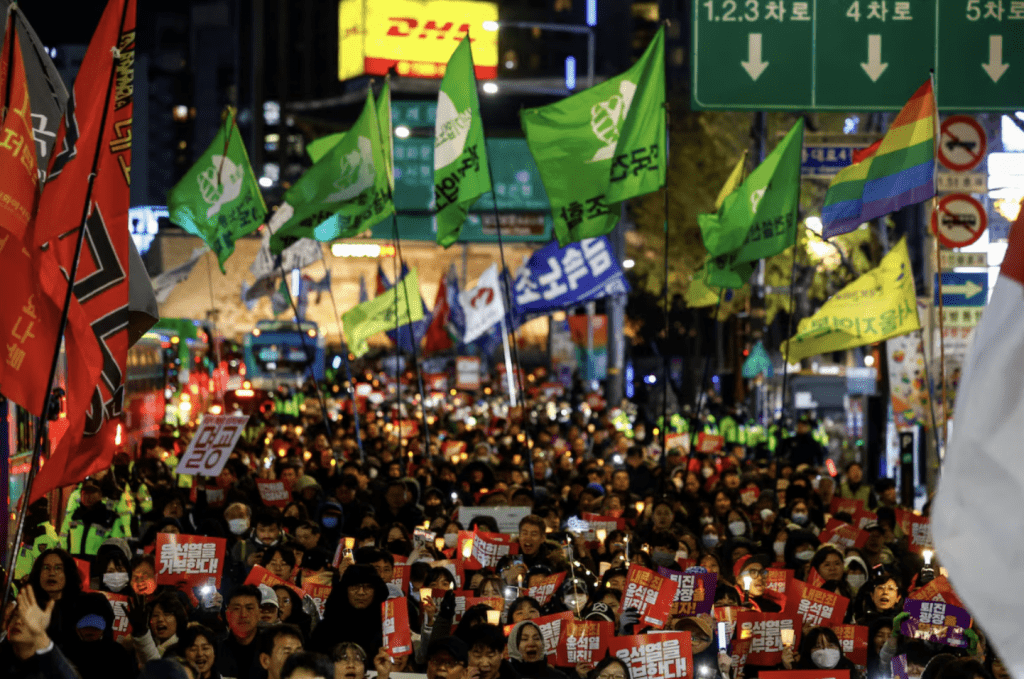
(451, 540)
(805, 555)
(780, 548)
(238, 526)
(737, 528)
(825, 658)
(115, 581)
(710, 539)
(707, 520)
(856, 580)
(799, 518)
(707, 472)
(682, 554)
(766, 514)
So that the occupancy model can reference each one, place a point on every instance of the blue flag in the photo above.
(556, 278)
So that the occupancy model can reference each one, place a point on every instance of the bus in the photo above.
(284, 353)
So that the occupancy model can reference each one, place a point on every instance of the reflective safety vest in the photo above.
(729, 429)
(28, 554)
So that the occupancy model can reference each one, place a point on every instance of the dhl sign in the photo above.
(415, 37)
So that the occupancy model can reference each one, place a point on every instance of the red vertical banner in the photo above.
(854, 642)
(667, 655)
(395, 622)
(583, 641)
(649, 593)
(763, 630)
(400, 578)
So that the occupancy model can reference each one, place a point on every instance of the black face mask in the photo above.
(434, 511)
(290, 523)
(403, 547)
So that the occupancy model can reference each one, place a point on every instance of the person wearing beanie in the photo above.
(92, 649)
(758, 594)
(527, 655)
(353, 612)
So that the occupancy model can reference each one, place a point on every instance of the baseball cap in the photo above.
(268, 597)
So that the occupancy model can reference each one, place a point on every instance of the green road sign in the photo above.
(857, 54)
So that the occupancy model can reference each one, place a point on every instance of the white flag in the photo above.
(164, 284)
(977, 516)
(482, 305)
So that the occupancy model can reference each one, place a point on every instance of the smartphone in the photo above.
(723, 642)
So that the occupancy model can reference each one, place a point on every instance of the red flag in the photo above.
(95, 136)
(34, 290)
(437, 337)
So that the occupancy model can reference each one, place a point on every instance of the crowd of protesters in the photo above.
(355, 511)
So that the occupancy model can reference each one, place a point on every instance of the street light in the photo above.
(490, 88)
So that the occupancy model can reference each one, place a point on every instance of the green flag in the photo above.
(345, 193)
(219, 199)
(318, 148)
(758, 219)
(460, 152)
(383, 312)
(387, 132)
(603, 145)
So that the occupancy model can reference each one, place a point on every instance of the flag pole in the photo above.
(412, 340)
(213, 322)
(305, 348)
(938, 271)
(41, 435)
(664, 301)
(792, 284)
(344, 360)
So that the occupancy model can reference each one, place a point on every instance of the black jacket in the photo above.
(51, 665)
(343, 622)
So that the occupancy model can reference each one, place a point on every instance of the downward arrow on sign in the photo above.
(995, 66)
(754, 66)
(874, 66)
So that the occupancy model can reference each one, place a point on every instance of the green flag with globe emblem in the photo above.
(219, 199)
(603, 145)
(345, 193)
(460, 152)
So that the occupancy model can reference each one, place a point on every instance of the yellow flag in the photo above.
(878, 305)
(383, 312)
(733, 182)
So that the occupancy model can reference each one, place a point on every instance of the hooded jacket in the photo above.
(104, 658)
(529, 670)
(343, 622)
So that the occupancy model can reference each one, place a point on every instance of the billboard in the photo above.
(415, 37)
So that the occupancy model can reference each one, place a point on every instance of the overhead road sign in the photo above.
(826, 154)
(959, 220)
(856, 55)
(963, 289)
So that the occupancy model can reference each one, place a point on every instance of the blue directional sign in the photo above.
(963, 289)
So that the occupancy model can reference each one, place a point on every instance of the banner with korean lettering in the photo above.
(938, 589)
(209, 449)
(543, 588)
(595, 523)
(763, 630)
(936, 632)
(843, 535)
(917, 529)
(740, 653)
(395, 627)
(273, 493)
(192, 559)
(778, 583)
(465, 601)
(318, 593)
(400, 577)
(668, 655)
(261, 576)
(551, 630)
(728, 615)
(119, 602)
(649, 593)
(695, 594)
(556, 278)
(583, 641)
(815, 606)
(484, 550)
(845, 505)
(853, 642)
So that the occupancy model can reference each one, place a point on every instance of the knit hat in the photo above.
(304, 482)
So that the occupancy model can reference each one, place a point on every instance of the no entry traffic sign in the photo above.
(962, 144)
(959, 220)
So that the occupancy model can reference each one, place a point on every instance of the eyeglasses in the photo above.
(890, 589)
(756, 573)
(363, 587)
(611, 675)
(55, 568)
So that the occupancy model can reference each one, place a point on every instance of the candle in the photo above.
(467, 548)
(927, 557)
(493, 617)
(639, 508)
(520, 578)
(439, 543)
(424, 594)
(602, 534)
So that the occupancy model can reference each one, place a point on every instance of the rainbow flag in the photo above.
(897, 171)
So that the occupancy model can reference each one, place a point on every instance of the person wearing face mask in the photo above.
(820, 649)
(110, 569)
(856, 572)
(738, 525)
(574, 595)
(800, 546)
(711, 536)
(799, 513)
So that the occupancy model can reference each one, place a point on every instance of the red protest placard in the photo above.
(119, 602)
(318, 593)
(815, 606)
(778, 580)
(544, 587)
(814, 578)
(709, 443)
(465, 601)
(649, 593)
(400, 577)
(763, 631)
(740, 652)
(843, 535)
(483, 550)
(453, 568)
(845, 506)
(748, 496)
(919, 533)
(678, 442)
(665, 656)
(727, 614)
(451, 449)
(190, 559)
(273, 493)
(395, 625)
(599, 522)
(583, 641)
(863, 517)
(551, 629)
(261, 576)
(805, 674)
(695, 594)
(83, 573)
(938, 589)
(853, 640)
